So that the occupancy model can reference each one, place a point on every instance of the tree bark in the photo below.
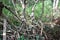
(55, 5)
(4, 29)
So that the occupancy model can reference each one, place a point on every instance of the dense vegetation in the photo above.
(29, 20)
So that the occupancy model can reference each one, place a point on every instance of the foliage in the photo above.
(29, 23)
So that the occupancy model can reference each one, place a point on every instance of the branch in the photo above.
(12, 11)
(42, 25)
(34, 5)
(33, 8)
(10, 22)
(23, 3)
(10, 28)
(15, 10)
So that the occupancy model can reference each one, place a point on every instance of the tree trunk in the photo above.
(4, 29)
(55, 5)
